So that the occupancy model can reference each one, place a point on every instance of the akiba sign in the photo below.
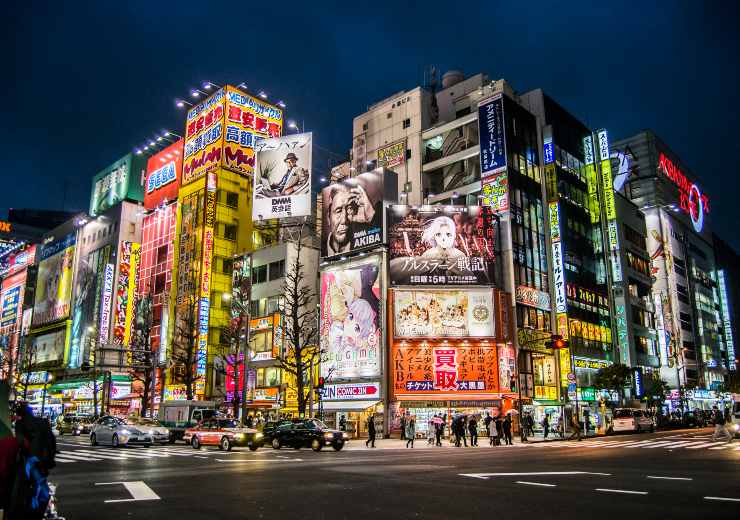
(352, 391)
(691, 200)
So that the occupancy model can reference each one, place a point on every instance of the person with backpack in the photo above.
(37, 445)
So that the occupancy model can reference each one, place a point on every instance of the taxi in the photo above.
(224, 433)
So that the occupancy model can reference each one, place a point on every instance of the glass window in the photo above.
(230, 231)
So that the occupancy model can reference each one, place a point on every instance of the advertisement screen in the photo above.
(350, 314)
(352, 214)
(163, 172)
(419, 370)
(125, 290)
(282, 181)
(451, 245)
(392, 155)
(9, 303)
(54, 281)
(49, 348)
(443, 314)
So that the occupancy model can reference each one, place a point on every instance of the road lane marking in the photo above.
(669, 478)
(702, 445)
(486, 476)
(69, 455)
(661, 444)
(257, 460)
(723, 499)
(606, 490)
(200, 457)
(535, 483)
(137, 489)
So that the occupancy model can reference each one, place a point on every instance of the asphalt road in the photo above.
(662, 475)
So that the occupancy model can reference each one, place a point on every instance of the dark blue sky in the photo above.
(85, 82)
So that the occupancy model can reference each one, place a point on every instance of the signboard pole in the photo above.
(246, 317)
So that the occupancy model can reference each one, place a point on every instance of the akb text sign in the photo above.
(351, 391)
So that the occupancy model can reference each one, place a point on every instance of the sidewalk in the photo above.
(421, 444)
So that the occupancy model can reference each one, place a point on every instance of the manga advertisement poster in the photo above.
(54, 281)
(125, 291)
(443, 314)
(452, 245)
(352, 214)
(350, 317)
(282, 180)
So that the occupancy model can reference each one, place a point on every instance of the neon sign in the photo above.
(691, 199)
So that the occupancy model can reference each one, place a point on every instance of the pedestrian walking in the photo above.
(586, 421)
(403, 427)
(439, 429)
(473, 429)
(529, 424)
(487, 421)
(431, 429)
(370, 432)
(507, 430)
(410, 431)
(546, 425)
(463, 428)
(576, 427)
(720, 430)
(493, 432)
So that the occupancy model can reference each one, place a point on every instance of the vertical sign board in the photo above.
(726, 320)
(551, 179)
(105, 308)
(558, 268)
(594, 209)
(209, 225)
(494, 178)
(607, 185)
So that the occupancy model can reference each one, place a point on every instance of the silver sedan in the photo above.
(125, 432)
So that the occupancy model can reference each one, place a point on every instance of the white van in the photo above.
(631, 420)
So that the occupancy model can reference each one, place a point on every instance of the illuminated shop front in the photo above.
(446, 356)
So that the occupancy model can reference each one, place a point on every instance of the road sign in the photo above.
(571, 377)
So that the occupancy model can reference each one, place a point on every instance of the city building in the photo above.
(214, 226)
(679, 240)
(728, 287)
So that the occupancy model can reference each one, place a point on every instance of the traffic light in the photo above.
(557, 342)
(320, 384)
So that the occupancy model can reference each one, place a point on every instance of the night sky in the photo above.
(87, 82)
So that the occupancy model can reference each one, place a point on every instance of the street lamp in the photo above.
(208, 85)
(181, 103)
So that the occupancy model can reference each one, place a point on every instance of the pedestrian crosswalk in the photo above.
(667, 443)
(103, 453)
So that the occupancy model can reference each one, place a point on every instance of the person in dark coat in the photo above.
(546, 425)
(499, 430)
(487, 421)
(403, 427)
(507, 429)
(370, 431)
(473, 429)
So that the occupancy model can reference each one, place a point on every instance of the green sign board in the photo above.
(587, 394)
(122, 180)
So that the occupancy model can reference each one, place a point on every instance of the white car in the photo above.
(734, 424)
(631, 420)
(125, 432)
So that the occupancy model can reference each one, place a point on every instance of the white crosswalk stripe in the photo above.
(668, 443)
(87, 453)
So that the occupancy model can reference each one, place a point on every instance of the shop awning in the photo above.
(348, 406)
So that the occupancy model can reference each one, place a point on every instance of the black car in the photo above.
(307, 433)
(271, 427)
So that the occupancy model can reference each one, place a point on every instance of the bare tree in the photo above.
(185, 342)
(233, 351)
(300, 326)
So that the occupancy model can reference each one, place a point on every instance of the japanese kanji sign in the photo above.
(450, 371)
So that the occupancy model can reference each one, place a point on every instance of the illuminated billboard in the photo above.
(450, 245)
(122, 180)
(422, 370)
(352, 214)
(690, 198)
(163, 171)
(422, 313)
(49, 348)
(222, 130)
(392, 155)
(54, 281)
(492, 134)
(350, 320)
(282, 180)
(125, 291)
